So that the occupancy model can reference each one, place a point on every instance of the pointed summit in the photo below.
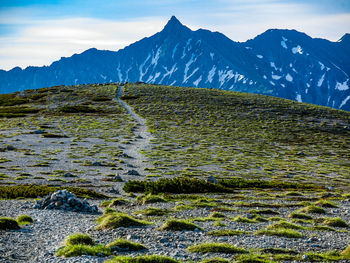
(345, 38)
(174, 25)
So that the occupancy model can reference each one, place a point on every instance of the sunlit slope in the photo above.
(203, 132)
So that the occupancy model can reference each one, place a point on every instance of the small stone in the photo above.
(133, 172)
(212, 179)
(39, 132)
(96, 164)
(68, 175)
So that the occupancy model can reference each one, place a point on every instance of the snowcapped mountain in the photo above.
(283, 63)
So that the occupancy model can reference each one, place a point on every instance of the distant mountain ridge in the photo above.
(282, 63)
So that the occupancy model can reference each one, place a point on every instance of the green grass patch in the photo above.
(226, 232)
(179, 225)
(122, 245)
(79, 239)
(142, 259)
(153, 211)
(280, 232)
(24, 220)
(116, 220)
(216, 248)
(335, 222)
(79, 250)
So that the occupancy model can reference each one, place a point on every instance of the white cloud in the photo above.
(43, 42)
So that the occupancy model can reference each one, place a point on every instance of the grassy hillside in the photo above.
(210, 132)
(280, 191)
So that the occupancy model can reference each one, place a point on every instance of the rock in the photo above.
(126, 156)
(39, 132)
(212, 179)
(164, 240)
(133, 172)
(96, 164)
(66, 201)
(68, 175)
(117, 178)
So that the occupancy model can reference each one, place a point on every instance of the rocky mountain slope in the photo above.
(283, 63)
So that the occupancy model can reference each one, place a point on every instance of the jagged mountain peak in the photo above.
(174, 25)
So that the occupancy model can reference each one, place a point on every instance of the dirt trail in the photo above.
(142, 138)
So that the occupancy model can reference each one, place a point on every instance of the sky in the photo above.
(38, 32)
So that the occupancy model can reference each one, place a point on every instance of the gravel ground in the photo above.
(38, 242)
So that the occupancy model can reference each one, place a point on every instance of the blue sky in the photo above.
(37, 32)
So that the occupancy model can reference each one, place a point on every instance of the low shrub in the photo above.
(34, 191)
(176, 185)
(77, 109)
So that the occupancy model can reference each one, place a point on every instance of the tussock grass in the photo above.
(335, 222)
(142, 259)
(226, 232)
(216, 248)
(122, 245)
(79, 250)
(281, 232)
(115, 220)
(79, 239)
(24, 219)
(178, 225)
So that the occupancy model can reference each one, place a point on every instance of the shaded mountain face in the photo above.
(283, 63)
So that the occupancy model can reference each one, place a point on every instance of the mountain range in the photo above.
(283, 63)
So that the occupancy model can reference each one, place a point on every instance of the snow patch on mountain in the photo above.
(211, 74)
(298, 98)
(187, 67)
(342, 86)
(174, 50)
(297, 49)
(224, 76)
(320, 81)
(321, 65)
(289, 78)
(185, 47)
(344, 102)
(156, 57)
(196, 82)
(276, 77)
(283, 42)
